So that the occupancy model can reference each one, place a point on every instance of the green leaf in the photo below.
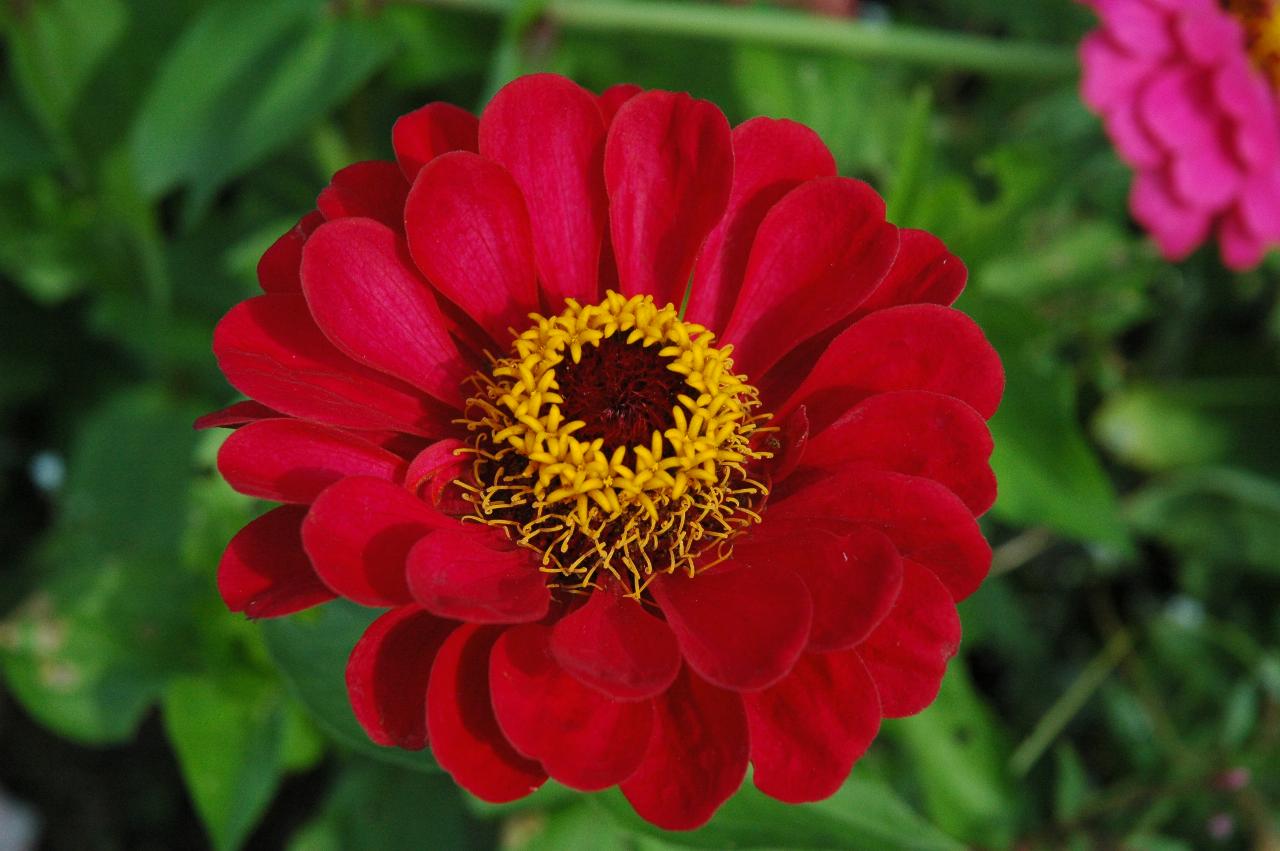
(1206, 421)
(378, 807)
(1071, 788)
(57, 46)
(268, 71)
(113, 619)
(1218, 515)
(864, 814)
(228, 734)
(959, 759)
(311, 650)
(574, 828)
(1048, 473)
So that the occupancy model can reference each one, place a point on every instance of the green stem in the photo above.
(778, 28)
(1071, 702)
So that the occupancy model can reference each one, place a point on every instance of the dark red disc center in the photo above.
(622, 392)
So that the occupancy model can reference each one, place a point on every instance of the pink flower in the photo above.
(1181, 87)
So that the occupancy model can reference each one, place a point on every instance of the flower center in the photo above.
(1261, 20)
(616, 437)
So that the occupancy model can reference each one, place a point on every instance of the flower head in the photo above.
(1190, 93)
(651, 436)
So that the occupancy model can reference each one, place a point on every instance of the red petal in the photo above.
(853, 575)
(742, 628)
(697, 755)
(549, 134)
(612, 99)
(235, 415)
(925, 272)
(668, 165)
(818, 253)
(387, 675)
(264, 572)
(926, 522)
(359, 533)
(430, 131)
(368, 298)
(288, 460)
(374, 189)
(278, 268)
(809, 729)
(914, 347)
(917, 433)
(469, 234)
(269, 348)
(907, 655)
(770, 158)
(435, 468)
(465, 737)
(583, 739)
(614, 645)
(467, 575)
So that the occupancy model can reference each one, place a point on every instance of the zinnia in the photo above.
(616, 548)
(1189, 93)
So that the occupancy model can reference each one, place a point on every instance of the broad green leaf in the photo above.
(268, 71)
(311, 650)
(113, 619)
(1048, 473)
(864, 815)
(575, 828)
(1219, 515)
(959, 759)
(56, 47)
(378, 807)
(228, 734)
(1205, 421)
(1071, 785)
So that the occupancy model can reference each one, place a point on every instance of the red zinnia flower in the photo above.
(615, 547)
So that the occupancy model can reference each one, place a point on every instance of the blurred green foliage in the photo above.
(1120, 682)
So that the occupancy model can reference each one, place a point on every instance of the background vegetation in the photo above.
(1120, 678)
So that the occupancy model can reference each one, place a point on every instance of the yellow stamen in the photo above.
(674, 504)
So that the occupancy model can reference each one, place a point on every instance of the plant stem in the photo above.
(1071, 701)
(778, 28)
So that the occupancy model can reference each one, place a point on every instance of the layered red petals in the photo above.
(549, 134)
(359, 533)
(697, 755)
(817, 255)
(668, 166)
(290, 460)
(615, 646)
(435, 468)
(918, 433)
(430, 131)
(853, 575)
(582, 738)
(387, 675)
(914, 347)
(278, 268)
(809, 729)
(477, 576)
(235, 415)
(373, 189)
(924, 272)
(465, 737)
(740, 627)
(770, 158)
(264, 572)
(368, 298)
(269, 348)
(907, 655)
(469, 232)
(927, 523)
